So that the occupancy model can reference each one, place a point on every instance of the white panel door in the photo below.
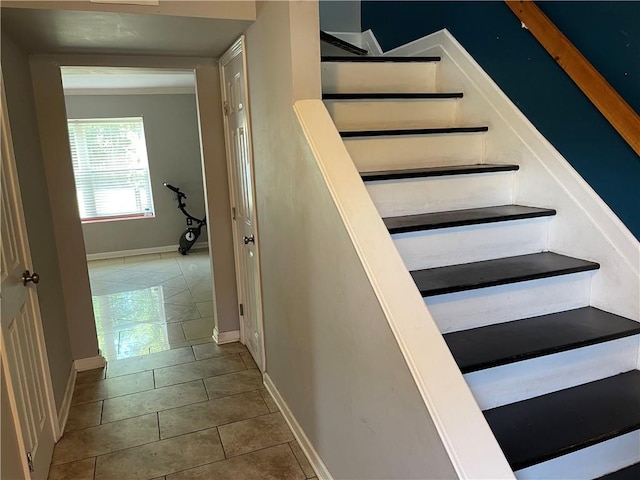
(240, 168)
(24, 358)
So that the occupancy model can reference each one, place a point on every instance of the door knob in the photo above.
(30, 277)
(249, 239)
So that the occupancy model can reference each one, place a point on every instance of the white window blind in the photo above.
(111, 168)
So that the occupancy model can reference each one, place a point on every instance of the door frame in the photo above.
(212, 150)
(43, 360)
(239, 48)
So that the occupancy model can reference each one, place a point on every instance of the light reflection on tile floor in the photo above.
(151, 303)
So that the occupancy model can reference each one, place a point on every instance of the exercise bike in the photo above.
(191, 234)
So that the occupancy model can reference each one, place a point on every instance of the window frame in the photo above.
(146, 168)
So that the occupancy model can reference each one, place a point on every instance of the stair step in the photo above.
(632, 472)
(390, 96)
(458, 218)
(379, 59)
(500, 271)
(541, 428)
(342, 44)
(438, 171)
(510, 342)
(412, 131)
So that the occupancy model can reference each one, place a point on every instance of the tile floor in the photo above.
(195, 412)
(151, 303)
(170, 404)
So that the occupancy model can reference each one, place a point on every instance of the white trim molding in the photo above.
(469, 443)
(225, 337)
(63, 414)
(142, 251)
(89, 363)
(322, 472)
(130, 91)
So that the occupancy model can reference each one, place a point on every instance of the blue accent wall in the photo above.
(608, 35)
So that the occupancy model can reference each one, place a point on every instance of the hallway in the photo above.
(170, 403)
(196, 412)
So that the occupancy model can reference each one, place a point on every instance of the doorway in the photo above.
(131, 130)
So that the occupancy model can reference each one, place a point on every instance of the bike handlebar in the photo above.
(171, 187)
(175, 189)
(182, 205)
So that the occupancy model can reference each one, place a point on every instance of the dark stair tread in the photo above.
(548, 426)
(437, 171)
(391, 96)
(632, 472)
(499, 271)
(379, 59)
(412, 131)
(457, 218)
(342, 44)
(504, 343)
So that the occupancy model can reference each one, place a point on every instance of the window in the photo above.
(111, 168)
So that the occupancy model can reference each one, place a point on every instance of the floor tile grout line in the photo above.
(296, 457)
(236, 456)
(253, 417)
(212, 399)
(101, 412)
(150, 412)
(265, 448)
(142, 444)
(224, 451)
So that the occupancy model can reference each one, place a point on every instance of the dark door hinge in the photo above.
(241, 310)
(233, 212)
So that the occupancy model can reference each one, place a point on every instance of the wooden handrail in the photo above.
(618, 112)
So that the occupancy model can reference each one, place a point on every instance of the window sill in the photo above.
(115, 219)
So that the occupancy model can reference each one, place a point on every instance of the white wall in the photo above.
(329, 349)
(173, 150)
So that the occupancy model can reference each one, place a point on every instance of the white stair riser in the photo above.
(591, 462)
(471, 243)
(356, 77)
(485, 306)
(389, 114)
(386, 153)
(494, 387)
(436, 194)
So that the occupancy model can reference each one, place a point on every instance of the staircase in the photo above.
(556, 378)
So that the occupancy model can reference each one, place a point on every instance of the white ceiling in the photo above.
(68, 31)
(116, 80)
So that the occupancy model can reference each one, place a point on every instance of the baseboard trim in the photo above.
(89, 363)
(226, 337)
(63, 414)
(315, 460)
(141, 251)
